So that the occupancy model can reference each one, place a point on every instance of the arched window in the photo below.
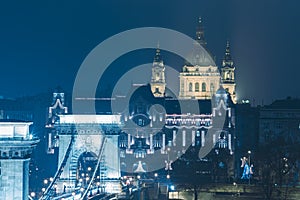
(203, 87)
(228, 75)
(197, 87)
(191, 87)
(212, 88)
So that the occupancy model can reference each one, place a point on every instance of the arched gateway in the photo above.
(88, 154)
(95, 134)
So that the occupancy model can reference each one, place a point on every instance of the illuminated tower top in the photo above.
(157, 58)
(158, 82)
(228, 73)
(200, 33)
(227, 61)
(200, 77)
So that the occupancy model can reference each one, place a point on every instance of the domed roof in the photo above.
(221, 91)
(199, 56)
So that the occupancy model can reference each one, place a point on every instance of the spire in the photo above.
(200, 33)
(157, 57)
(227, 51)
(227, 61)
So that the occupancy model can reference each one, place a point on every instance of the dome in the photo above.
(199, 56)
(221, 91)
(222, 94)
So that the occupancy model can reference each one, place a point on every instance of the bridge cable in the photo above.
(46, 194)
(96, 168)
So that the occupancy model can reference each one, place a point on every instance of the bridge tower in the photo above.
(93, 134)
(16, 145)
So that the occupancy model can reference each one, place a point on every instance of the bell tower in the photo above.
(228, 73)
(158, 82)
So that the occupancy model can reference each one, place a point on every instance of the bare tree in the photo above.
(276, 163)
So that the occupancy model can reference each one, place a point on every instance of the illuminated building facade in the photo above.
(171, 130)
(200, 77)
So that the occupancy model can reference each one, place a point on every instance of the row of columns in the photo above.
(215, 137)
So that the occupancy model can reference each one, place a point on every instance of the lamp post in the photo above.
(32, 194)
(249, 158)
(98, 187)
(138, 186)
(168, 168)
(168, 164)
(157, 183)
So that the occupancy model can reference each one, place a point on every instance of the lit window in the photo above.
(140, 122)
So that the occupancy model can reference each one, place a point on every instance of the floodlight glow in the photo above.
(172, 187)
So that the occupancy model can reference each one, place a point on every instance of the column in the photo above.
(202, 138)
(163, 142)
(183, 138)
(151, 141)
(193, 137)
(174, 137)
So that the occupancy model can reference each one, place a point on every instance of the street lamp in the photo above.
(168, 164)
(73, 194)
(55, 188)
(156, 181)
(81, 190)
(138, 186)
(98, 187)
(249, 153)
(249, 158)
(32, 194)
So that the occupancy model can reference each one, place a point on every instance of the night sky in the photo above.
(43, 43)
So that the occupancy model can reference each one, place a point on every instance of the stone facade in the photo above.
(16, 145)
(199, 82)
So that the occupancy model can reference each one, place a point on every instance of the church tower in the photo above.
(158, 82)
(200, 77)
(228, 73)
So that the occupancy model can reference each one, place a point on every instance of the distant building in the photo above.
(14, 109)
(246, 130)
(281, 119)
(279, 139)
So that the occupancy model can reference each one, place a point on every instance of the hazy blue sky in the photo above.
(42, 43)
